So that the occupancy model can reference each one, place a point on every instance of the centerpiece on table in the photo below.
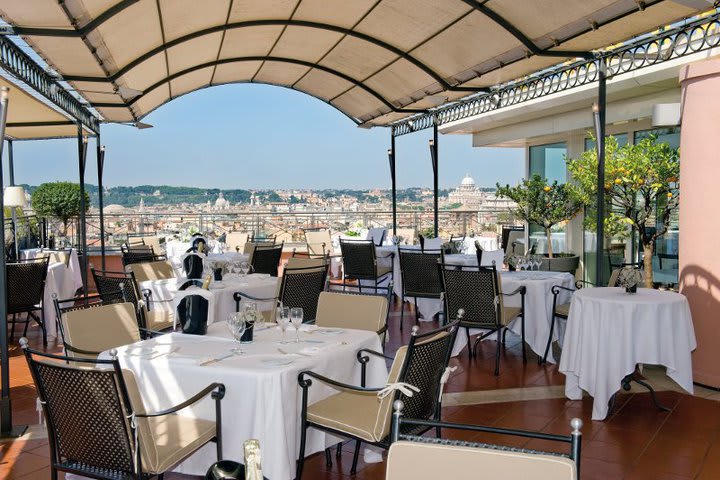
(629, 278)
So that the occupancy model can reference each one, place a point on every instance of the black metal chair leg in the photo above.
(338, 452)
(504, 334)
(417, 313)
(402, 311)
(301, 455)
(470, 348)
(41, 321)
(497, 360)
(549, 342)
(27, 324)
(328, 458)
(12, 328)
(353, 469)
(522, 334)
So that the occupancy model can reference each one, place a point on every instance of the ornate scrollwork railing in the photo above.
(648, 50)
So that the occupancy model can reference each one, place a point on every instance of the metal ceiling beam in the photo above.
(20, 65)
(515, 32)
(341, 75)
(262, 23)
(58, 123)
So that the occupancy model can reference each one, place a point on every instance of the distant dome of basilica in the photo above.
(468, 181)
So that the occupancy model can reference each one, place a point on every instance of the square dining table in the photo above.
(263, 399)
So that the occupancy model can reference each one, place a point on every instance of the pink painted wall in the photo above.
(700, 212)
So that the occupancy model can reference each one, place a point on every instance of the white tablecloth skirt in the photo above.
(609, 332)
(263, 399)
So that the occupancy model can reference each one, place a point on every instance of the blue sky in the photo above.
(259, 136)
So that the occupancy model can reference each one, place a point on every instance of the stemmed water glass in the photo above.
(236, 325)
(395, 240)
(244, 268)
(296, 317)
(282, 317)
(537, 261)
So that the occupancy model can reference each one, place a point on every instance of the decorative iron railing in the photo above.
(652, 49)
(18, 63)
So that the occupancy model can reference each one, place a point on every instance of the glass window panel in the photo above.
(548, 161)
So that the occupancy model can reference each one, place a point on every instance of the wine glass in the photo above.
(296, 317)
(244, 268)
(537, 260)
(236, 325)
(395, 240)
(282, 317)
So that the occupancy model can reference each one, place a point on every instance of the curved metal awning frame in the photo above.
(409, 104)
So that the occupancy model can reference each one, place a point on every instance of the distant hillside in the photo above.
(167, 195)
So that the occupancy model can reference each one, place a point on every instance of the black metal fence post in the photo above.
(391, 158)
(82, 156)
(599, 110)
(100, 168)
(434, 157)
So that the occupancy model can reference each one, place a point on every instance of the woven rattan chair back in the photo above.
(119, 287)
(193, 265)
(87, 413)
(359, 259)
(301, 287)
(266, 259)
(137, 254)
(420, 274)
(427, 357)
(26, 284)
(474, 290)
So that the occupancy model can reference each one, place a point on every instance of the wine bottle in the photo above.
(206, 283)
(253, 465)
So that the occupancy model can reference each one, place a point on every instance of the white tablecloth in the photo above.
(263, 399)
(609, 332)
(487, 243)
(538, 307)
(61, 280)
(222, 303)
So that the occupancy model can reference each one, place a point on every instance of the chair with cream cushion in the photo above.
(360, 262)
(88, 330)
(318, 241)
(362, 413)
(299, 261)
(477, 293)
(99, 427)
(236, 241)
(354, 311)
(144, 272)
(377, 235)
(118, 287)
(423, 458)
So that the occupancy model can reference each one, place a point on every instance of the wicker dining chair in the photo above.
(360, 262)
(355, 310)
(138, 254)
(318, 241)
(299, 287)
(24, 293)
(477, 293)
(160, 270)
(266, 259)
(235, 241)
(119, 287)
(98, 426)
(413, 457)
(420, 276)
(360, 413)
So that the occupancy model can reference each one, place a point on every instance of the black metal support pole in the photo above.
(11, 180)
(391, 158)
(599, 111)
(6, 427)
(100, 168)
(82, 156)
(434, 157)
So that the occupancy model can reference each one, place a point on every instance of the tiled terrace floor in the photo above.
(636, 442)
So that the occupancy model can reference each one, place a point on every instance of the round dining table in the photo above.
(609, 332)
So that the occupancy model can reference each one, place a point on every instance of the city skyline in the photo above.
(262, 137)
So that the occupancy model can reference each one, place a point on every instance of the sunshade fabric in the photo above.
(31, 118)
(375, 60)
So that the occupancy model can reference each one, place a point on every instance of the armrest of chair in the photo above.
(305, 383)
(522, 290)
(147, 333)
(70, 348)
(147, 294)
(363, 358)
(556, 289)
(216, 389)
(580, 283)
(238, 296)
(389, 255)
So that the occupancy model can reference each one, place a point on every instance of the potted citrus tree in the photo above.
(641, 189)
(545, 204)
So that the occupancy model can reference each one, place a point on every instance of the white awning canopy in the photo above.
(377, 61)
(30, 118)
